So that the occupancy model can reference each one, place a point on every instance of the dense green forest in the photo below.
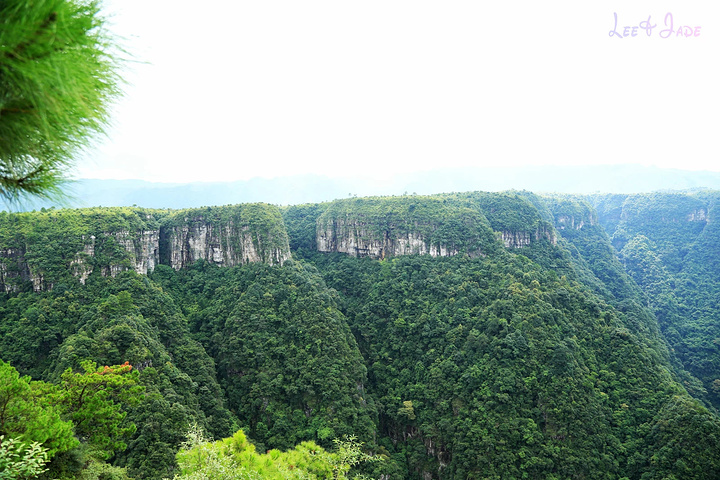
(540, 337)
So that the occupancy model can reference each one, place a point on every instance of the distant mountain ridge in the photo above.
(293, 190)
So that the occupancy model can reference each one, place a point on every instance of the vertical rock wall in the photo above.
(381, 227)
(225, 245)
(45, 248)
(356, 238)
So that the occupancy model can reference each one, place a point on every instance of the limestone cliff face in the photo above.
(380, 227)
(226, 236)
(525, 238)
(225, 245)
(122, 250)
(147, 251)
(699, 215)
(576, 223)
(43, 249)
(80, 266)
(519, 219)
(141, 253)
(13, 269)
(143, 248)
(358, 239)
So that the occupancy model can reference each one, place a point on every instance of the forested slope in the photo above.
(471, 360)
(669, 244)
(469, 335)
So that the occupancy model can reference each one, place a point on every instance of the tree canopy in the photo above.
(555, 357)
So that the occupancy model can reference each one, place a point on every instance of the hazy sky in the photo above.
(238, 89)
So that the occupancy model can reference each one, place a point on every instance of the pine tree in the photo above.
(58, 76)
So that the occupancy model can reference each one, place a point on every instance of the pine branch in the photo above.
(17, 110)
(21, 47)
(57, 78)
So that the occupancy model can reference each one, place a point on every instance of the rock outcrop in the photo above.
(525, 238)
(699, 215)
(357, 238)
(13, 269)
(80, 266)
(381, 227)
(142, 253)
(569, 221)
(47, 248)
(225, 245)
(514, 216)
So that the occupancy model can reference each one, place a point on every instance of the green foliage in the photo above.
(669, 247)
(499, 357)
(347, 454)
(683, 442)
(444, 336)
(56, 247)
(236, 458)
(57, 79)
(93, 400)
(672, 220)
(541, 361)
(506, 211)
(301, 221)
(96, 470)
(596, 263)
(28, 415)
(47, 421)
(113, 321)
(19, 460)
(285, 356)
(83, 463)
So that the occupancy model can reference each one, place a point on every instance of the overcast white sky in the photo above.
(239, 89)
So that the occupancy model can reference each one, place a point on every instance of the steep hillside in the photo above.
(468, 335)
(670, 244)
(474, 361)
(112, 321)
(290, 367)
